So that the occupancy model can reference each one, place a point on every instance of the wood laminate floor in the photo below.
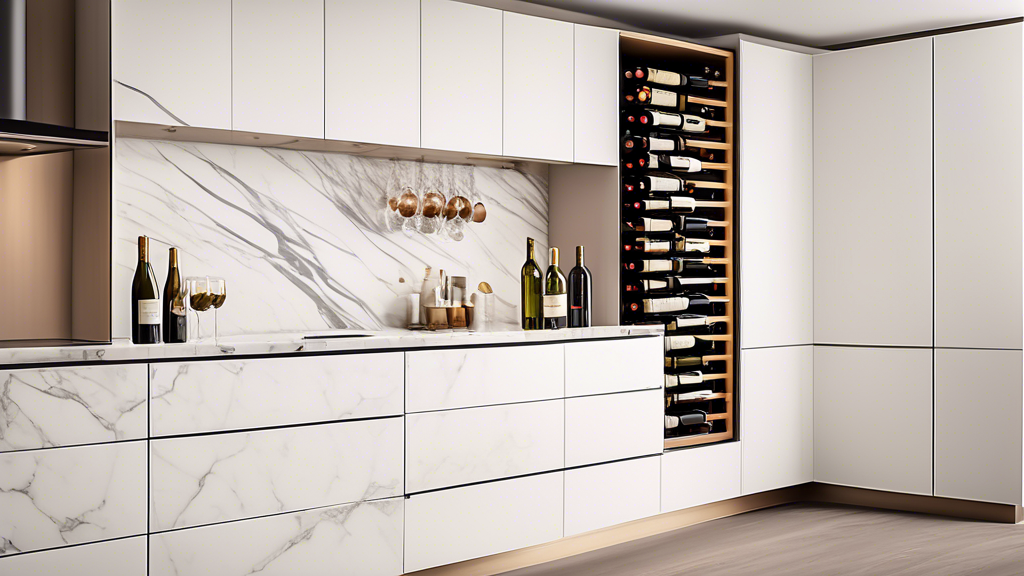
(810, 539)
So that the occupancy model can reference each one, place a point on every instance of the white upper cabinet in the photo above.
(373, 71)
(172, 62)
(873, 195)
(461, 59)
(978, 194)
(538, 88)
(776, 143)
(277, 52)
(596, 96)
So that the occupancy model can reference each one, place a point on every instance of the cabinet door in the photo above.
(609, 494)
(124, 557)
(978, 425)
(873, 195)
(372, 64)
(171, 62)
(614, 366)
(614, 426)
(538, 88)
(461, 77)
(873, 418)
(277, 55)
(700, 475)
(777, 253)
(978, 199)
(596, 96)
(777, 417)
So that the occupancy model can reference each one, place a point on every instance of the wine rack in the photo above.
(677, 248)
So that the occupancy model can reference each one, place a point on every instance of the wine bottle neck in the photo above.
(173, 258)
(579, 255)
(143, 249)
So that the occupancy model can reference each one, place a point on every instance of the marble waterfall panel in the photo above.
(76, 405)
(206, 479)
(300, 236)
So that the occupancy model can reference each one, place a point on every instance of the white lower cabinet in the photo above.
(363, 539)
(613, 427)
(700, 475)
(873, 418)
(978, 425)
(125, 557)
(608, 494)
(456, 447)
(53, 498)
(614, 366)
(776, 417)
(472, 521)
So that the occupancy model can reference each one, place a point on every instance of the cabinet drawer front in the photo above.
(208, 396)
(363, 539)
(66, 406)
(126, 557)
(614, 366)
(613, 426)
(443, 379)
(52, 498)
(473, 521)
(699, 476)
(206, 479)
(609, 494)
(476, 444)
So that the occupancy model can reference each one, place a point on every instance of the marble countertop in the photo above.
(285, 343)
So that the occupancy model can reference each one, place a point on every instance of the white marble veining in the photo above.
(362, 539)
(206, 479)
(300, 236)
(55, 497)
(67, 406)
(456, 447)
(283, 343)
(124, 557)
(192, 397)
(461, 378)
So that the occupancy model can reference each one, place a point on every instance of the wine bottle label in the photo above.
(680, 342)
(663, 98)
(692, 281)
(652, 161)
(657, 225)
(691, 395)
(149, 311)
(685, 163)
(671, 421)
(684, 203)
(656, 247)
(657, 266)
(660, 184)
(664, 144)
(655, 285)
(697, 246)
(657, 205)
(555, 306)
(695, 377)
(687, 321)
(694, 123)
(663, 77)
(659, 305)
(666, 119)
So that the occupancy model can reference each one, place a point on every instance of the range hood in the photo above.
(18, 134)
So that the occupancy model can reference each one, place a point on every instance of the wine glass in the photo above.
(199, 299)
(218, 294)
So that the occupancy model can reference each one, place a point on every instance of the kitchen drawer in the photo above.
(475, 444)
(54, 407)
(613, 426)
(208, 396)
(607, 366)
(700, 475)
(443, 379)
(205, 479)
(53, 498)
(125, 557)
(363, 539)
(609, 494)
(473, 521)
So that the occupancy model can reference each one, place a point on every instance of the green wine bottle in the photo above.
(532, 305)
(554, 295)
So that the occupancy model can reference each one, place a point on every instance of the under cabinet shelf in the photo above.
(696, 440)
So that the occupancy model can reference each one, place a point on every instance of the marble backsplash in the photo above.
(300, 237)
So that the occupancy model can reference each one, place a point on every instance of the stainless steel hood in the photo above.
(18, 134)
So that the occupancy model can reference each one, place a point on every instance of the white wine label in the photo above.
(679, 342)
(657, 225)
(658, 305)
(652, 161)
(691, 395)
(671, 421)
(657, 205)
(657, 266)
(696, 280)
(656, 247)
(149, 311)
(663, 98)
(663, 144)
(697, 246)
(659, 184)
(663, 77)
(685, 163)
(689, 320)
(684, 203)
(694, 123)
(555, 306)
(690, 377)
(655, 285)
(665, 119)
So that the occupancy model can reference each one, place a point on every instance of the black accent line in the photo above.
(520, 402)
(923, 34)
(155, 103)
(830, 345)
(75, 545)
(777, 346)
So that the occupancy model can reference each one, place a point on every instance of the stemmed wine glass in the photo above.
(199, 300)
(218, 294)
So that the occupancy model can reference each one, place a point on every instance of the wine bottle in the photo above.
(634, 165)
(684, 379)
(675, 203)
(647, 119)
(555, 308)
(651, 246)
(686, 225)
(580, 287)
(532, 301)
(695, 324)
(676, 265)
(653, 184)
(689, 418)
(175, 318)
(673, 285)
(689, 344)
(677, 163)
(695, 396)
(668, 78)
(632, 144)
(693, 304)
(145, 299)
(695, 430)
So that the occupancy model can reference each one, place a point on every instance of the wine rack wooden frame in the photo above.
(656, 47)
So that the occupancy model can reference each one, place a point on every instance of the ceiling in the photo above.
(814, 23)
